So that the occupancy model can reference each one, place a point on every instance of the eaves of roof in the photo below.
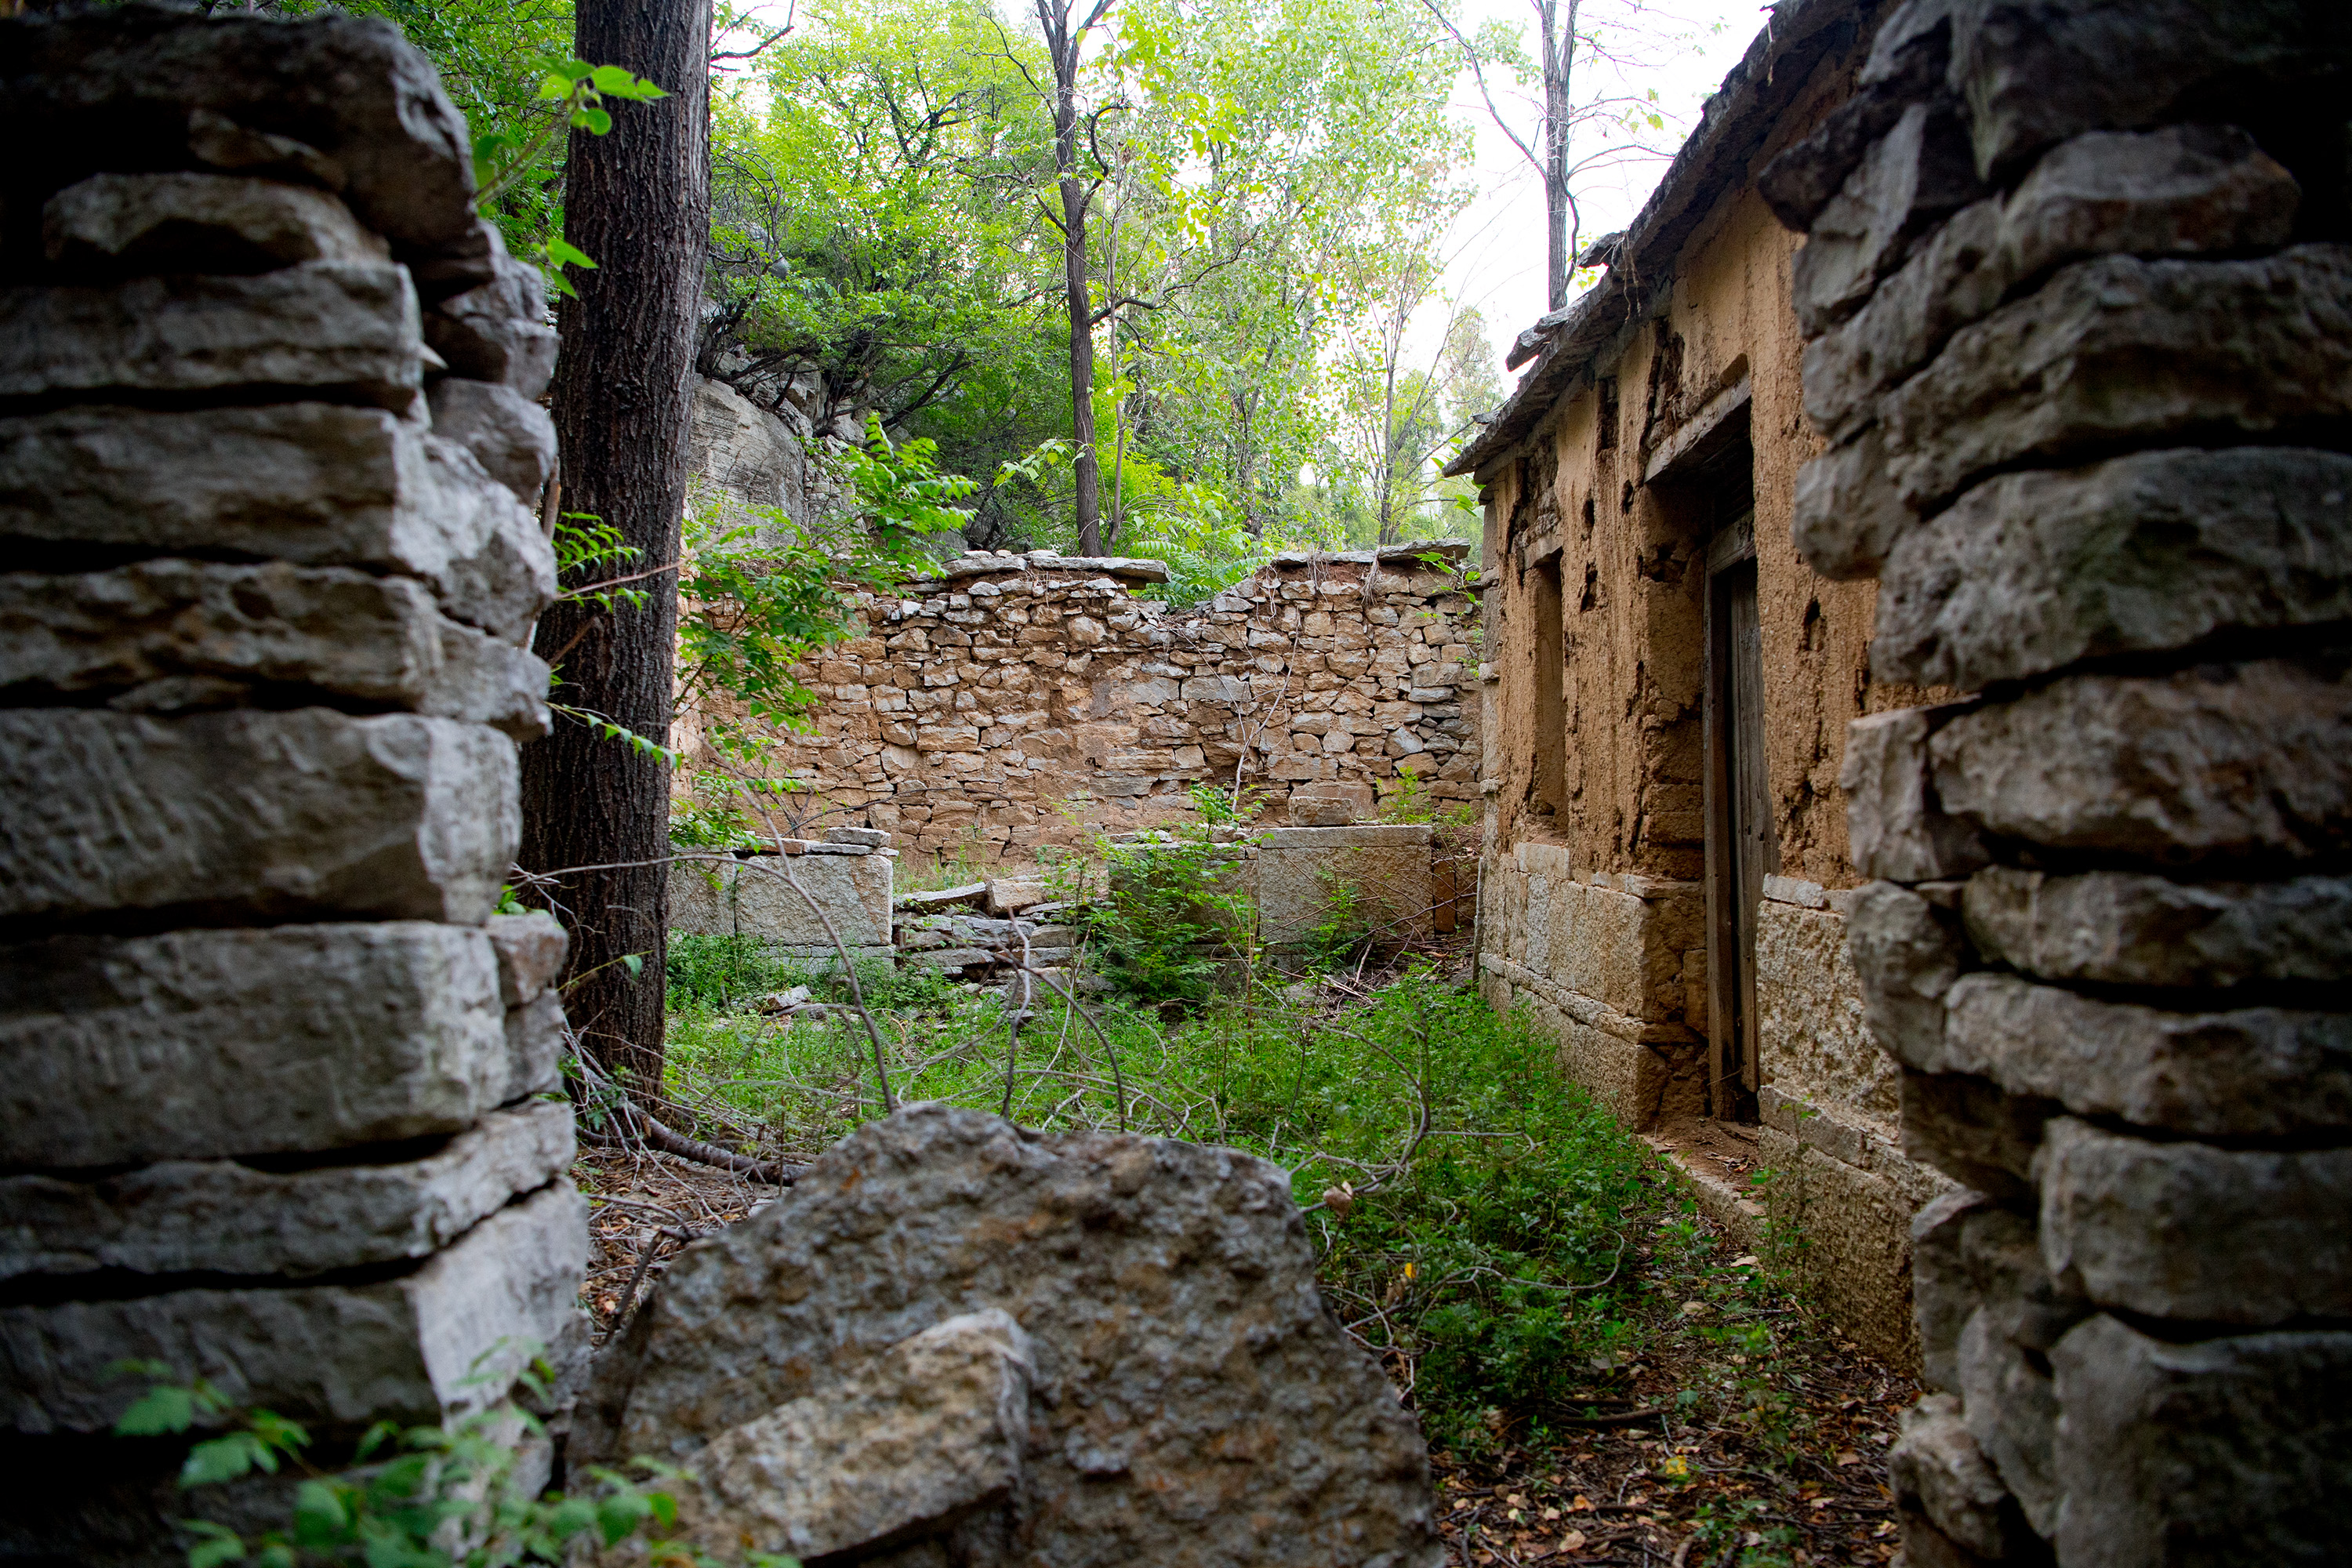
(1732, 127)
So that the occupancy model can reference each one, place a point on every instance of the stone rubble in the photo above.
(2075, 424)
(280, 1104)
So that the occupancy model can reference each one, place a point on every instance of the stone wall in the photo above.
(1015, 702)
(2079, 306)
(273, 1069)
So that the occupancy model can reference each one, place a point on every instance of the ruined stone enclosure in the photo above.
(1017, 702)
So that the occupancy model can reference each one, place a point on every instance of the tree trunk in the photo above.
(1559, 57)
(1063, 43)
(638, 201)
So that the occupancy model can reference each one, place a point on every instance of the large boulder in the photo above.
(1191, 1402)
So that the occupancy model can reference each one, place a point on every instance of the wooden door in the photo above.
(1741, 848)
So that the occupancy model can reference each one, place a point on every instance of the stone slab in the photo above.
(511, 437)
(1302, 873)
(200, 1044)
(2220, 1450)
(530, 951)
(1812, 1017)
(349, 329)
(2122, 927)
(702, 893)
(1906, 953)
(2186, 1231)
(218, 1217)
(1367, 836)
(1937, 1465)
(928, 1432)
(1193, 1404)
(448, 1337)
(278, 814)
(314, 483)
(2209, 764)
(2030, 573)
(1898, 828)
(854, 891)
(2247, 1073)
(197, 223)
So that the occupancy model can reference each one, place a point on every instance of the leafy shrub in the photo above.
(725, 971)
(1174, 918)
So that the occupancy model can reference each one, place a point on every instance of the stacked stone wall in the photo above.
(1016, 702)
(273, 1075)
(2079, 306)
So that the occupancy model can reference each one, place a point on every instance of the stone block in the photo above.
(2189, 1231)
(1182, 1361)
(868, 838)
(124, 224)
(2243, 1073)
(1898, 828)
(511, 437)
(345, 327)
(485, 680)
(202, 1043)
(1943, 1295)
(1937, 1465)
(1968, 1129)
(1908, 953)
(1377, 875)
(315, 483)
(1811, 1011)
(702, 893)
(2028, 572)
(346, 99)
(244, 813)
(223, 1218)
(2122, 927)
(2012, 1413)
(448, 1336)
(1857, 1259)
(928, 1434)
(2217, 762)
(496, 332)
(2118, 350)
(1914, 174)
(2223, 1450)
(534, 1033)
(1847, 512)
(1906, 64)
(852, 891)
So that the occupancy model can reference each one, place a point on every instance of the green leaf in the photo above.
(224, 1458)
(612, 79)
(599, 123)
(576, 70)
(620, 1513)
(215, 1544)
(320, 1517)
(159, 1410)
(635, 962)
(563, 253)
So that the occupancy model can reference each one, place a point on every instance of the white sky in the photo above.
(1497, 249)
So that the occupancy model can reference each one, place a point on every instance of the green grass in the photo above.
(1496, 1273)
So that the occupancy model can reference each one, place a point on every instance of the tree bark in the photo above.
(1559, 57)
(638, 201)
(1063, 43)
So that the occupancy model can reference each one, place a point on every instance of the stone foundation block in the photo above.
(2228, 1450)
(702, 896)
(207, 1043)
(1898, 828)
(2028, 572)
(1969, 1130)
(278, 814)
(854, 891)
(217, 1216)
(448, 1337)
(2188, 1232)
(112, 224)
(1858, 1260)
(1810, 1011)
(1908, 953)
(2119, 928)
(2221, 761)
(2251, 1073)
(350, 328)
(1303, 873)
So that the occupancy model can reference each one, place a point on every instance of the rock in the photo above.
(219, 1216)
(852, 891)
(497, 331)
(2121, 928)
(1307, 812)
(2247, 1073)
(1011, 895)
(275, 814)
(2209, 764)
(2224, 1450)
(530, 951)
(702, 891)
(345, 327)
(2196, 1234)
(2024, 1304)
(313, 483)
(1191, 1402)
(1916, 172)
(1944, 1294)
(512, 438)
(2028, 572)
(924, 1435)
(1906, 64)
(1967, 1129)
(448, 1337)
(1847, 513)
(2011, 1411)
(870, 837)
(195, 1044)
(534, 1034)
(126, 224)
(1897, 829)
(1938, 1464)
(1953, 278)
(1908, 953)
(121, 84)
(952, 960)
(2120, 348)
(486, 681)
(2039, 71)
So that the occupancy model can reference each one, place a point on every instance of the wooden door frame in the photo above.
(1731, 985)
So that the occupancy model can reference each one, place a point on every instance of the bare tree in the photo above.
(637, 200)
(1064, 43)
(1555, 56)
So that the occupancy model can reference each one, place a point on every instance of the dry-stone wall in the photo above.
(2080, 303)
(1016, 701)
(270, 1066)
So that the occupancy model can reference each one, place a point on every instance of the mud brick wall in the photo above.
(2079, 309)
(271, 1069)
(1019, 702)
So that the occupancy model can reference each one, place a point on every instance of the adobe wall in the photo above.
(276, 1104)
(2079, 304)
(1596, 912)
(1016, 702)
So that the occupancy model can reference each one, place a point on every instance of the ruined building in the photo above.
(1997, 904)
